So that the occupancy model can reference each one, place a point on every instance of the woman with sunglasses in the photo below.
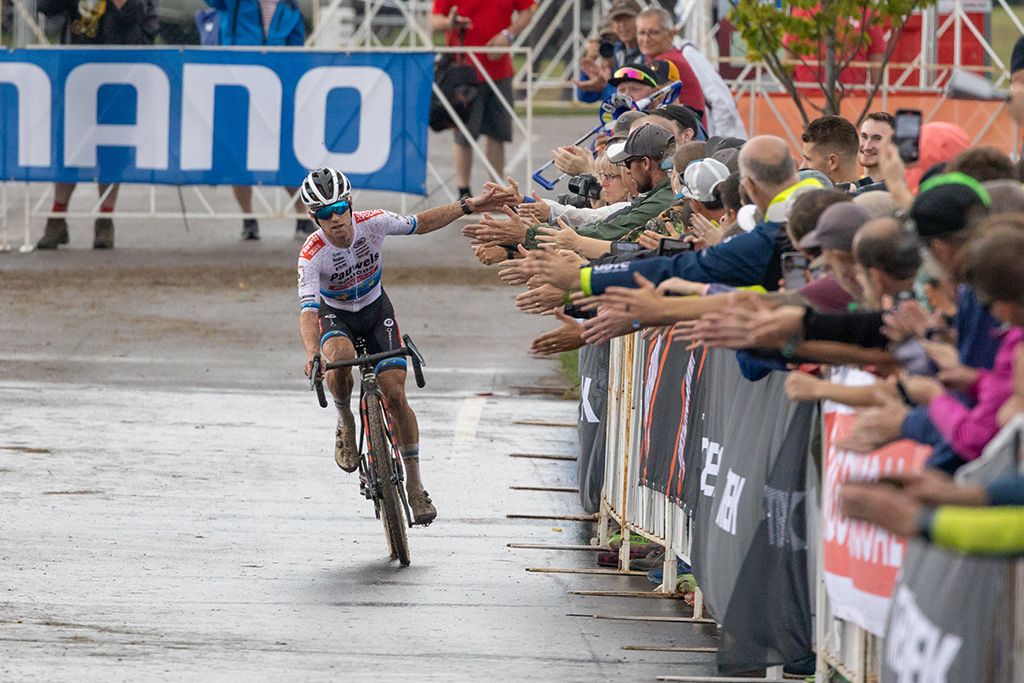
(341, 299)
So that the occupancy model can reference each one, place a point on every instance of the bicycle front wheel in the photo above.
(392, 512)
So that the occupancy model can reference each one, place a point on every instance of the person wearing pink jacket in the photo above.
(991, 267)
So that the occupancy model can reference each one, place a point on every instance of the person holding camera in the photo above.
(96, 22)
(640, 158)
(487, 23)
(614, 46)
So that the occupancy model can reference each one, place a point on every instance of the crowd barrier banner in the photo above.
(747, 451)
(592, 425)
(952, 616)
(667, 367)
(214, 116)
(860, 560)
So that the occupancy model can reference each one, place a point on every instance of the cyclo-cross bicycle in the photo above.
(381, 476)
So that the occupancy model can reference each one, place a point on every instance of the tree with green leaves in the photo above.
(826, 36)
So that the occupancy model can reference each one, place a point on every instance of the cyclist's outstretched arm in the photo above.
(442, 216)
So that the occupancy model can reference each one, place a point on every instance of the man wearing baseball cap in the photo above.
(641, 80)
(640, 157)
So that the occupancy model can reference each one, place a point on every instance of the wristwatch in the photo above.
(465, 206)
(509, 36)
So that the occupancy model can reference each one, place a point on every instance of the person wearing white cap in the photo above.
(700, 179)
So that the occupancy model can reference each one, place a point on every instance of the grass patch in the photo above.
(570, 364)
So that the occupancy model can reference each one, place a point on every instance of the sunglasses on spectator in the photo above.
(340, 208)
(632, 74)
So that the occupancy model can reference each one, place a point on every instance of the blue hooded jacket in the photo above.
(240, 23)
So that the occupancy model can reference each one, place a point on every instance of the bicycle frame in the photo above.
(368, 484)
(369, 386)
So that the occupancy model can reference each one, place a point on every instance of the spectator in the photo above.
(940, 142)
(638, 81)
(700, 182)
(95, 22)
(262, 22)
(488, 24)
(685, 123)
(722, 114)
(875, 133)
(830, 146)
(768, 175)
(983, 164)
(593, 85)
(1006, 196)
(825, 293)
(654, 31)
(833, 236)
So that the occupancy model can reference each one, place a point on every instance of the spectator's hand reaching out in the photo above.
(565, 338)
(490, 231)
(801, 386)
(921, 390)
(558, 268)
(535, 212)
(606, 325)
(511, 271)
(910, 319)
(681, 287)
(881, 504)
(489, 256)
(562, 237)
(760, 324)
(511, 190)
(876, 427)
(935, 487)
(540, 299)
(951, 373)
(572, 160)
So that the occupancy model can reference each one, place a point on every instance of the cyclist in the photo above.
(342, 299)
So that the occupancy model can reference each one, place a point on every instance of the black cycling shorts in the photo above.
(375, 325)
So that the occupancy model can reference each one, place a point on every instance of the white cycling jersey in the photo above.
(348, 279)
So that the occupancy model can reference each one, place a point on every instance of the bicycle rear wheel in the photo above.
(392, 512)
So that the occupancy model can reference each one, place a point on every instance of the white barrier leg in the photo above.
(5, 244)
(27, 246)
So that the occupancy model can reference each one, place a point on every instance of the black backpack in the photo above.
(458, 81)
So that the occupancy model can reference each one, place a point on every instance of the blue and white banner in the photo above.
(214, 116)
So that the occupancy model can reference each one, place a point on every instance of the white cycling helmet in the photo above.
(324, 186)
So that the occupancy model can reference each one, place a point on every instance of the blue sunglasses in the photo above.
(339, 208)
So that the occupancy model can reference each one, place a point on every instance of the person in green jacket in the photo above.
(640, 156)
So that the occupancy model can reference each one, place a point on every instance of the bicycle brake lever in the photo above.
(417, 361)
(314, 384)
(413, 350)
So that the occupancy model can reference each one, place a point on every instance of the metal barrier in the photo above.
(842, 647)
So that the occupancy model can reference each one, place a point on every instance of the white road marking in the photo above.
(467, 420)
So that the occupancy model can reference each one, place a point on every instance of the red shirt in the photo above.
(490, 17)
(691, 93)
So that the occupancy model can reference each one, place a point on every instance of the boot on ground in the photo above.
(104, 235)
(55, 234)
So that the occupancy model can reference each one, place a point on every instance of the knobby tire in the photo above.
(392, 512)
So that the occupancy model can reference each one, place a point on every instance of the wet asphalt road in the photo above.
(172, 510)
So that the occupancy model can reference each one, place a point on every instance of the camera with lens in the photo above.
(582, 188)
(606, 49)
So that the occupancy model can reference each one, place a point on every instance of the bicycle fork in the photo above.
(369, 486)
